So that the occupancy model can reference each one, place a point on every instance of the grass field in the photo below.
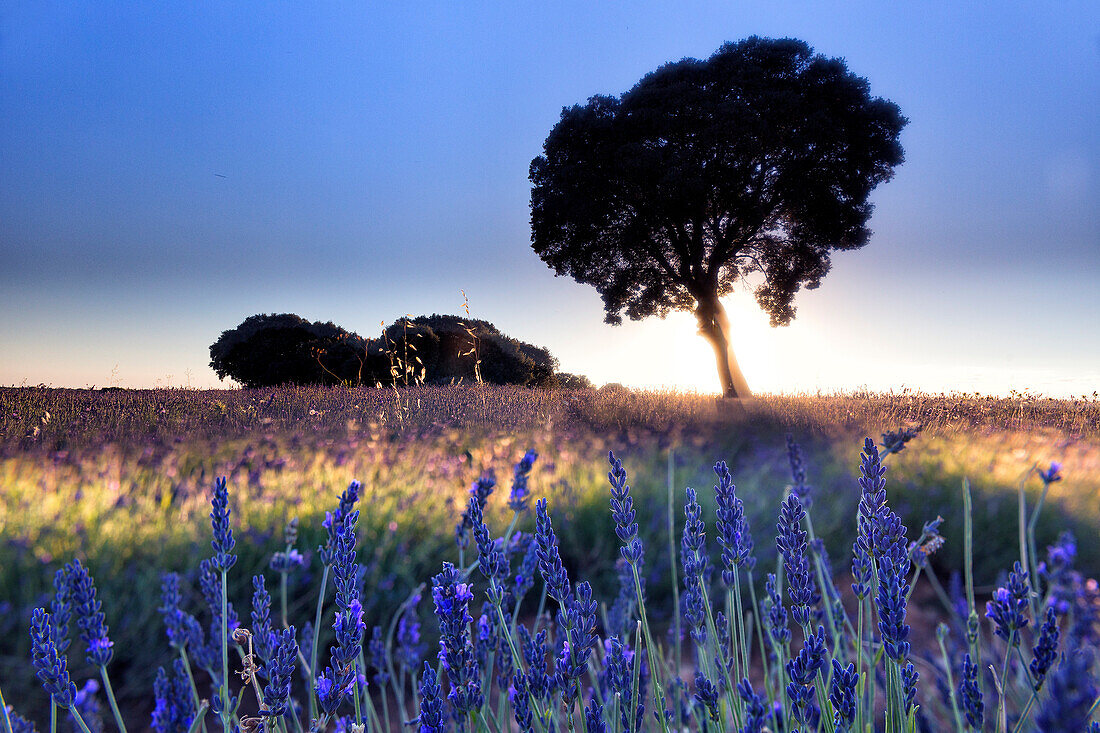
(121, 480)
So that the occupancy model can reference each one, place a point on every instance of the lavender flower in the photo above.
(580, 624)
(892, 592)
(756, 715)
(1045, 650)
(909, 677)
(19, 724)
(223, 533)
(557, 582)
(1071, 691)
(455, 650)
(52, 669)
(88, 708)
(733, 528)
(528, 569)
(489, 558)
(534, 655)
(871, 503)
(707, 693)
(339, 679)
(891, 552)
(802, 670)
(798, 472)
(619, 679)
(61, 609)
(622, 612)
(777, 615)
(263, 635)
(1052, 474)
(170, 609)
(893, 441)
(334, 520)
(1058, 570)
(520, 494)
(344, 567)
(791, 542)
(431, 704)
(280, 672)
(842, 695)
(593, 717)
(409, 648)
(211, 588)
(519, 697)
(694, 560)
(1009, 606)
(971, 693)
(378, 657)
(622, 510)
(930, 541)
(174, 707)
(287, 562)
(480, 490)
(89, 617)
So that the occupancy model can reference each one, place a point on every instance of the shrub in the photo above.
(267, 350)
(450, 348)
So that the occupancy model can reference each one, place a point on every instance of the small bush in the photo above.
(268, 350)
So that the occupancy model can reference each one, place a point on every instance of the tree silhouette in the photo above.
(272, 349)
(753, 165)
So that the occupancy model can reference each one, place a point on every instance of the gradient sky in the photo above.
(168, 169)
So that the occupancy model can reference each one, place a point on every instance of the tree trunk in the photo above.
(714, 327)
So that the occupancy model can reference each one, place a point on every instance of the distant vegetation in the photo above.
(268, 350)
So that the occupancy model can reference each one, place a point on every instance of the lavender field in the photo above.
(122, 480)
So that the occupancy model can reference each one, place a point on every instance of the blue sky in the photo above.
(167, 169)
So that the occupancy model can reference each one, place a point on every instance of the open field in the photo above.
(122, 480)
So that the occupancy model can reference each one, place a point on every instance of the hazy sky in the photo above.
(168, 169)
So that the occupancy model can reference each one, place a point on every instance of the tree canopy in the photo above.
(749, 167)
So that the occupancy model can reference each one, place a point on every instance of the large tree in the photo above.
(751, 166)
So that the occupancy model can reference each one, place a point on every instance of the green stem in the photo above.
(53, 716)
(402, 610)
(677, 631)
(191, 681)
(941, 594)
(860, 723)
(824, 584)
(1022, 529)
(654, 669)
(1092, 708)
(760, 634)
(200, 716)
(972, 636)
(1031, 537)
(517, 660)
(282, 599)
(76, 715)
(951, 684)
(316, 638)
(4, 711)
(297, 723)
(1002, 692)
(111, 698)
(1025, 713)
(223, 690)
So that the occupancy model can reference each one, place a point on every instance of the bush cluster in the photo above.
(268, 350)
